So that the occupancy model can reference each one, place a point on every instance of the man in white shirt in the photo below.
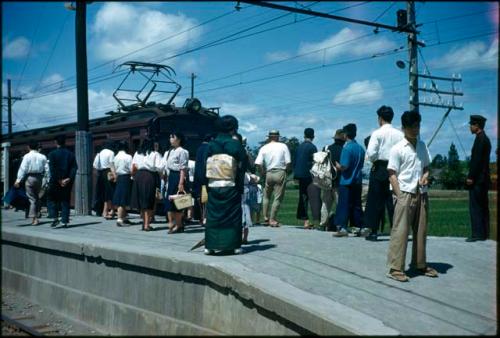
(32, 170)
(273, 160)
(379, 194)
(408, 170)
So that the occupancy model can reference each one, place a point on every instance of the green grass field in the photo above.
(448, 212)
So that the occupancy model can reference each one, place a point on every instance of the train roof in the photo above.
(113, 119)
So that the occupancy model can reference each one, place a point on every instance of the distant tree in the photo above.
(453, 158)
(292, 144)
(453, 176)
(438, 162)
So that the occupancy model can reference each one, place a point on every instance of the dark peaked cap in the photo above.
(477, 119)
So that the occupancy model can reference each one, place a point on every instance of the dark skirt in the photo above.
(223, 229)
(121, 196)
(173, 185)
(143, 190)
(105, 189)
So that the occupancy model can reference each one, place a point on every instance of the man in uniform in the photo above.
(478, 180)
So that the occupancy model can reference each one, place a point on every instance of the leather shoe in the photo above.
(371, 237)
(471, 239)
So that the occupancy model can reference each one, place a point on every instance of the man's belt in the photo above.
(381, 162)
(276, 169)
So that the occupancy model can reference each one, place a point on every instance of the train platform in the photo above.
(287, 281)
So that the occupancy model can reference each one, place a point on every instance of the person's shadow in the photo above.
(441, 268)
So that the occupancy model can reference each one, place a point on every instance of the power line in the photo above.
(48, 59)
(458, 16)
(385, 11)
(393, 51)
(148, 46)
(284, 60)
(32, 41)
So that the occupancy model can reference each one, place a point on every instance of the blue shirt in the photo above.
(304, 160)
(352, 158)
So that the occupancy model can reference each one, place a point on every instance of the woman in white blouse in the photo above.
(121, 168)
(145, 162)
(176, 160)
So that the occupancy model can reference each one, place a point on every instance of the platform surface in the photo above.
(348, 271)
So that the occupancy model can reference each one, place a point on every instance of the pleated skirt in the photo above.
(121, 197)
(143, 190)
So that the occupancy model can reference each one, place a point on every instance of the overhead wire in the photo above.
(49, 59)
(351, 60)
(154, 43)
(32, 41)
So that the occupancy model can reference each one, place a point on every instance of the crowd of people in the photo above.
(227, 196)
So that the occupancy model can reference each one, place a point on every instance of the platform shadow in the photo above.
(257, 241)
(441, 268)
(33, 225)
(76, 225)
(252, 248)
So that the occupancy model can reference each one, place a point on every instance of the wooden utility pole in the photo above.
(83, 139)
(412, 53)
(10, 101)
(192, 84)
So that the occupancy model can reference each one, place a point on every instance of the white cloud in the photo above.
(16, 48)
(360, 91)
(248, 127)
(339, 45)
(473, 55)
(59, 108)
(121, 28)
(190, 65)
(54, 79)
(277, 56)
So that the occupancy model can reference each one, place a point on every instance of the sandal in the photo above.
(398, 276)
(428, 271)
(275, 225)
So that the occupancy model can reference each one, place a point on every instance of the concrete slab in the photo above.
(334, 280)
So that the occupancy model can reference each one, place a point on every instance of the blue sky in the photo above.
(290, 72)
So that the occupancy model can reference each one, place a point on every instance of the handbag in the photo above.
(110, 176)
(158, 195)
(204, 194)
(182, 201)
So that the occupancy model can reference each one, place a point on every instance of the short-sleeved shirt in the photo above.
(32, 163)
(176, 159)
(104, 159)
(152, 161)
(409, 162)
(274, 155)
(304, 160)
(381, 142)
(352, 158)
(122, 163)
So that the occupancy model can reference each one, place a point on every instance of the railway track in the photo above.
(25, 325)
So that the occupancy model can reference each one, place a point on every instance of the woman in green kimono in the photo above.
(226, 166)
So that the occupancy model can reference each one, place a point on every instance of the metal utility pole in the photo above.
(10, 101)
(412, 52)
(450, 105)
(83, 139)
(192, 84)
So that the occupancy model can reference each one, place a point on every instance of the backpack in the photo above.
(321, 170)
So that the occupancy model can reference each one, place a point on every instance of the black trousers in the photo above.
(309, 194)
(379, 198)
(479, 211)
